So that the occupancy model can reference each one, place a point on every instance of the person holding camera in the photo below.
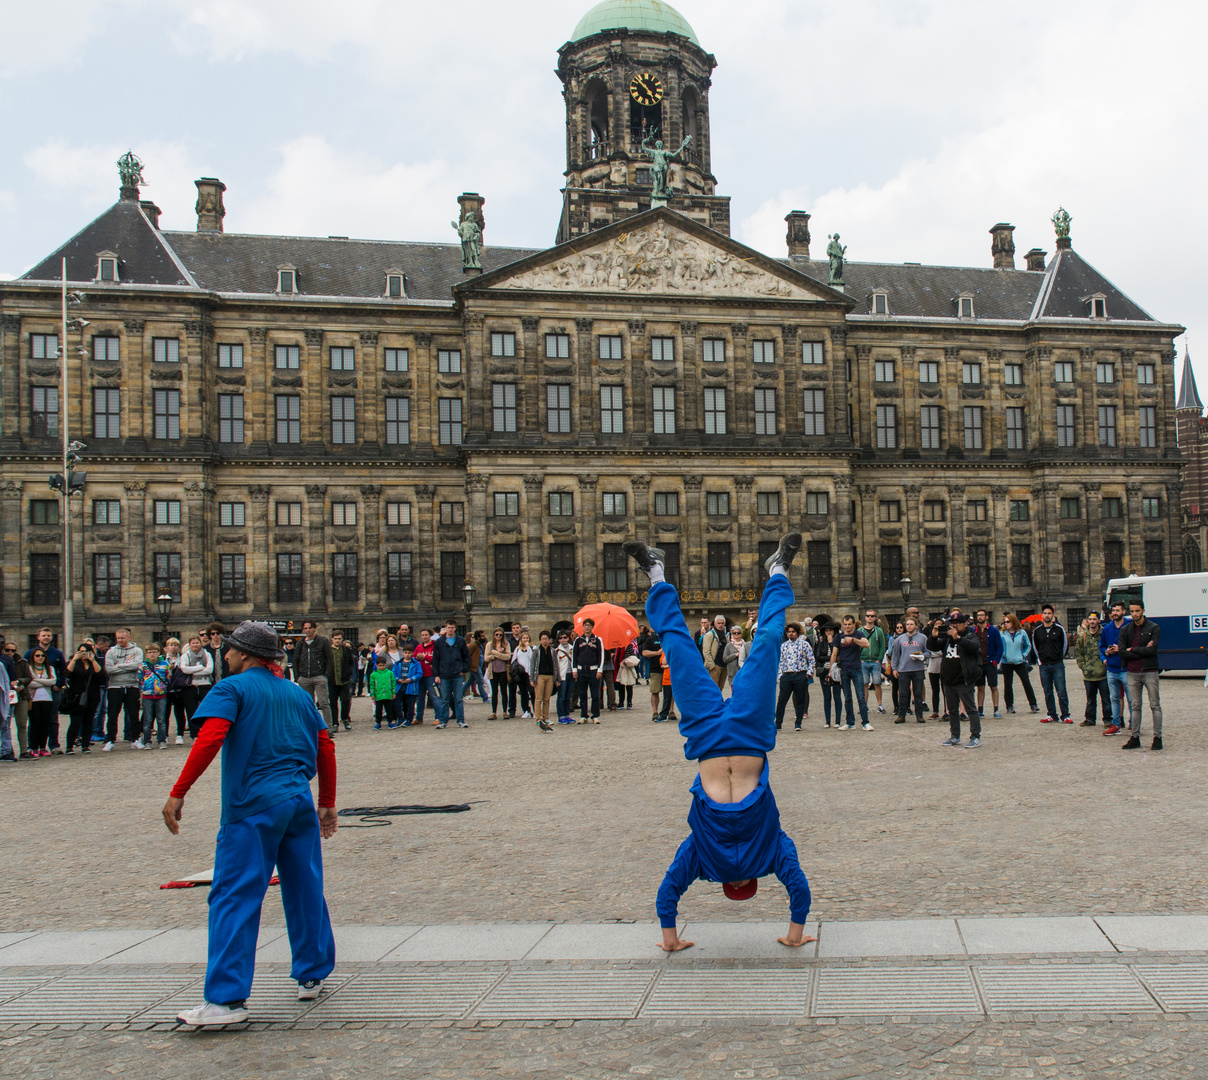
(83, 693)
(959, 672)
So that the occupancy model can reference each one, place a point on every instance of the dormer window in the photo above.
(106, 267)
(880, 303)
(964, 306)
(1098, 306)
(287, 279)
(394, 284)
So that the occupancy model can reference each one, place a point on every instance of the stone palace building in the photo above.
(279, 426)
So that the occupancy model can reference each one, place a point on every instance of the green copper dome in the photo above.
(651, 15)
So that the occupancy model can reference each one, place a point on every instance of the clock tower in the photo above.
(633, 72)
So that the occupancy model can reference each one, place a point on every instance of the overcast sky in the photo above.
(911, 126)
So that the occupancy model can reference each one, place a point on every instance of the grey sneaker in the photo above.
(951, 742)
(208, 1014)
(309, 990)
(790, 544)
(973, 744)
(643, 554)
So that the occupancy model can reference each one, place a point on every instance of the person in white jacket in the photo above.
(198, 664)
(566, 675)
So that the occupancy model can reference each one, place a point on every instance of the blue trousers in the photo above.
(285, 836)
(853, 684)
(451, 700)
(1117, 686)
(1052, 678)
(711, 725)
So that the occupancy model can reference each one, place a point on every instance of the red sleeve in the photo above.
(205, 747)
(326, 762)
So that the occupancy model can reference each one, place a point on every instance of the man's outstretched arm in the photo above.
(788, 870)
(680, 874)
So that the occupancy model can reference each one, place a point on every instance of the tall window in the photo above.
(287, 357)
(398, 359)
(449, 421)
(289, 578)
(929, 427)
(612, 412)
(887, 427)
(165, 350)
(1071, 562)
(167, 574)
(1154, 563)
(1151, 507)
(719, 566)
(763, 352)
(666, 504)
(817, 502)
(1145, 374)
(891, 511)
(976, 510)
(106, 512)
(44, 580)
(610, 347)
(167, 414)
(507, 504)
(616, 569)
(935, 566)
(1113, 558)
(289, 513)
(717, 503)
(664, 410)
(1019, 510)
(818, 552)
(1105, 372)
(662, 348)
(561, 504)
(1147, 415)
(44, 411)
(1063, 371)
(398, 513)
(714, 350)
(966, 307)
(814, 407)
(767, 503)
(398, 421)
(973, 427)
(399, 583)
(1015, 440)
(561, 568)
(811, 352)
(934, 510)
(167, 511)
(929, 371)
(971, 373)
(1065, 425)
(230, 418)
(452, 513)
(671, 562)
(507, 569)
(765, 412)
(891, 567)
(448, 361)
(1111, 506)
(232, 515)
(343, 359)
(503, 406)
(1107, 425)
(557, 407)
(1012, 374)
(106, 349)
(106, 413)
(44, 511)
(557, 346)
(106, 579)
(232, 579)
(46, 347)
(1021, 566)
(503, 344)
(343, 513)
(289, 418)
(1071, 508)
(344, 577)
(883, 371)
(230, 356)
(344, 420)
(979, 566)
(715, 410)
(616, 505)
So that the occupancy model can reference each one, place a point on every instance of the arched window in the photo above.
(597, 127)
(1193, 562)
(691, 106)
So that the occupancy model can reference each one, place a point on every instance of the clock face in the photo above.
(646, 89)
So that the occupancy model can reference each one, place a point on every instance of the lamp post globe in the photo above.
(904, 585)
(467, 596)
(164, 602)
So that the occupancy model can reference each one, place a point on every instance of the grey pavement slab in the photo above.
(472, 941)
(599, 941)
(353, 944)
(898, 937)
(1043, 935)
(745, 941)
(179, 946)
(12, 939)
(1156, 932)
(68, 947)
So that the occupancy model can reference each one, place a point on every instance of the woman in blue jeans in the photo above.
(823, 648)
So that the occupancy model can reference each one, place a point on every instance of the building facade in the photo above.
(284, 426)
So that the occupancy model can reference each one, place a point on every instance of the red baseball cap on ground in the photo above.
(741, 892)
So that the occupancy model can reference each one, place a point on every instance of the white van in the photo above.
(1178, 603)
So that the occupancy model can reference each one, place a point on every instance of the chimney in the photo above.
(798, 236)
(1002, 247)
(152, 211)
(1035, 259)
(210, 210)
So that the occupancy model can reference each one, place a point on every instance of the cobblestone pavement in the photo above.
(1019, 1050)
(579, 825)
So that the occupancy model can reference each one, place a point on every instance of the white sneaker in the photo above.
(137, 744)
(209, 1015)
(180, 740)
(107, 747)
(526, 716)
(880, 708)
(308, 991)
(866, 726)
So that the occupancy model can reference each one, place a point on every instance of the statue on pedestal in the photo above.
(835, 252)
(471, 242)
(659, 162)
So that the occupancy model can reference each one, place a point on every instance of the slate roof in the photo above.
(1070, 280)
(1189, 396)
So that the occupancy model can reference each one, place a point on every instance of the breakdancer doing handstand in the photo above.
(736, 836)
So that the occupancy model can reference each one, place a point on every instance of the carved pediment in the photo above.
(614, 526)
(396, 384)
(165, 374)
(46, 368)
(231, 380)
(505, 525)
(929, 391)
(287, 380)
(972, 391)
(561, 526)
(660, 258)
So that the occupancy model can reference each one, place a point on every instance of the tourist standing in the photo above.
(383, 686)
(450, 662)
(1117, 674)
(153, 684)
(824, 647)
(81, 694)
(651, 649)
(1094, 672)
(43, 718)
(566, 677)
(796, 672)
(312, 662)
(197, 663)
(712, 649)
(547, 679)
(343, 675)
(1139, 642)
(736, 652)
(523, 667)
(498, 655)
(123, 661)
(959, 674)
(1050, 642)
(848, 648)
(989, 640)
(589, 664)
(1016, 648)
(872, 659)
(427, 687)
(625, 661)
(908, 662)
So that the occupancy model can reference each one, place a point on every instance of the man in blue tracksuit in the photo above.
(736, 835)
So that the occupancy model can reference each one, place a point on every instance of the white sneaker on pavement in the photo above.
(310, 990)
(180, 740)
(108, 746)
(866, 726)
(208, 1014)
(137, 744)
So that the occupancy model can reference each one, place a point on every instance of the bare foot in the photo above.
(676, 946)
(795, 944)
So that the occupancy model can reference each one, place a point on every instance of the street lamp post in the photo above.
(467, 601)
(164, 602)
(904, 585)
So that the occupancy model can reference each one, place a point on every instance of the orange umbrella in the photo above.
(1030, 619)
(614, 625)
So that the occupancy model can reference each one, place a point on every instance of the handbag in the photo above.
(178, 679)
(630, 661)
(835, 675)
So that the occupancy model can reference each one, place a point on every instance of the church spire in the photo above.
(1189, 397)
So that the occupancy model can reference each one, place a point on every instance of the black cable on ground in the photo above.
(373, 816)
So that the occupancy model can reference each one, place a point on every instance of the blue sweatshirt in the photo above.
(415, 672)
(1110, 635)
(1016, 647)
(734, 842)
